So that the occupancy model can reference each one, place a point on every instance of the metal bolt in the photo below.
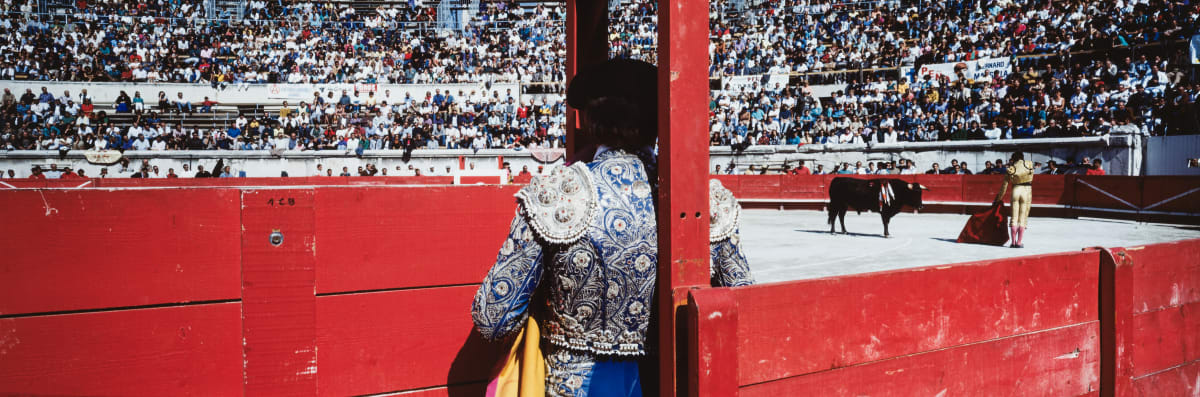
(276, 238)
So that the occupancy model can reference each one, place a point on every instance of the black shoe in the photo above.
(1016, 246)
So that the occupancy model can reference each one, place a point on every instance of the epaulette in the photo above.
(561, 206)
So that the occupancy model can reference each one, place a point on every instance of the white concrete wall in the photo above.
(1121, 155)
(261, 163)
(1168, 155)
(262, 94)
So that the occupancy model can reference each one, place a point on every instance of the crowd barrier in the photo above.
(281, 288)
(268, 290)
(1146, 198)
(29, 183)
(1114, 322)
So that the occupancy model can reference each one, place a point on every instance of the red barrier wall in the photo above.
(858, 335)
(228, 182)
(378, 280)
(69, 250)
(1112, 323)
(1160, 341)
(1159, 198)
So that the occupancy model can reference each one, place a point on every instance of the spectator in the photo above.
(1097, 168)
(801, 169)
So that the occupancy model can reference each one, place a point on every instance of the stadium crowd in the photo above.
(1086, 166)
(318, 42)
(355, 122)
(278, 42)
(1130, 96)
(798, 36)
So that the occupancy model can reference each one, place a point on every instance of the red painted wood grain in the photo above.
(1056, 362)
(1182, 380)
(712, 342)
(86, 249)
(400, 340)
(193, 350)
(1090, 192)
(802, 187)
(1053, 189)
(1171, 193)
(941, 187)
(480, 180)
(759, 186)
(795, 328)
(1165, 275)
(378, 238)
(278, 301)
(981, 188)
(1165, 338)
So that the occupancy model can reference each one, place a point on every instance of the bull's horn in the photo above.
(923, 187)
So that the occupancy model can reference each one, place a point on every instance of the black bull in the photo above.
(867, 195)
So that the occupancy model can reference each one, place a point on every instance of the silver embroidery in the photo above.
(724, 212)
(610, 271)
(561, 205)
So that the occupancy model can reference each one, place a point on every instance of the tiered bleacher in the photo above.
(785, 72)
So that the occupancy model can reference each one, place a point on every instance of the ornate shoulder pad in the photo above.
(724, 212)
(560, 206)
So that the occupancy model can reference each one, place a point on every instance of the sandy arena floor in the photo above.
(794, 245)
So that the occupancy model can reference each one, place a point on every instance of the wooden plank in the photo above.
(400, 340)
(794, 328)
(200, 182)
(982, 188)
(1057, 362)
(803, 187)
(378, 238)
(683, 246)
(1165, 338)
(759, 186)
(1165, 275)
(941, 187)
(1171, 193)
(1053, 189)
(1183, 380)
(193, 350)
(1115, 192)
(279, 306)
(86, 249)
(1116, 329)
(712, 342)
(480, 180)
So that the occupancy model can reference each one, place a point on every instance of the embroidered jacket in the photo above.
(591, 228)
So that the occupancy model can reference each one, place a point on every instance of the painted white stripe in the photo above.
(9, 186)
(1173, 198)
(83, 184)
(1110, 195)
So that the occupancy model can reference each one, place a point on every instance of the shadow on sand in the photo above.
(850, 234)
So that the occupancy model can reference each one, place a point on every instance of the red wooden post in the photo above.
(683, 249)
(1116, 328)
(587, 44)
(278, 292)
(713, 323)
